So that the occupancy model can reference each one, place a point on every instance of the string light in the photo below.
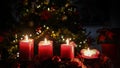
(48, 9)
(30, 35)
(44, 25)
(80, 42)
(84, 41)
(47, 27)
(38, 6)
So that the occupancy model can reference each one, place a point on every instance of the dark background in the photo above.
(93, 13)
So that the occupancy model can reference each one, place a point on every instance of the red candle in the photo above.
(26, 49)
(90, 53)
(45, 50)
(67, 50)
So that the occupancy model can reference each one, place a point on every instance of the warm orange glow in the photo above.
(26, 37)
(67, 41)
(89, 52)
(45, 41)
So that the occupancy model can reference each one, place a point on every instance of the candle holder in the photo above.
(90, 56)
(90, 53)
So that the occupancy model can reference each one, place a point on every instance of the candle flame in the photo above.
(45, 41)
(89, 52)
(88, 49)
(26, 37)
(67, 41)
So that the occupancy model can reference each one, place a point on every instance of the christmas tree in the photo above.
(54, 19)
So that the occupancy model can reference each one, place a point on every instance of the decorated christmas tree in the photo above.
(56, 20)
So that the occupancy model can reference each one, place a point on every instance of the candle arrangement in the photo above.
(45, 50)
(45, 53)
(40, 14)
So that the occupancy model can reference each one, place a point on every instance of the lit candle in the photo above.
(45, 50)
(26, 49)
(89, 53)
(67, 50)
